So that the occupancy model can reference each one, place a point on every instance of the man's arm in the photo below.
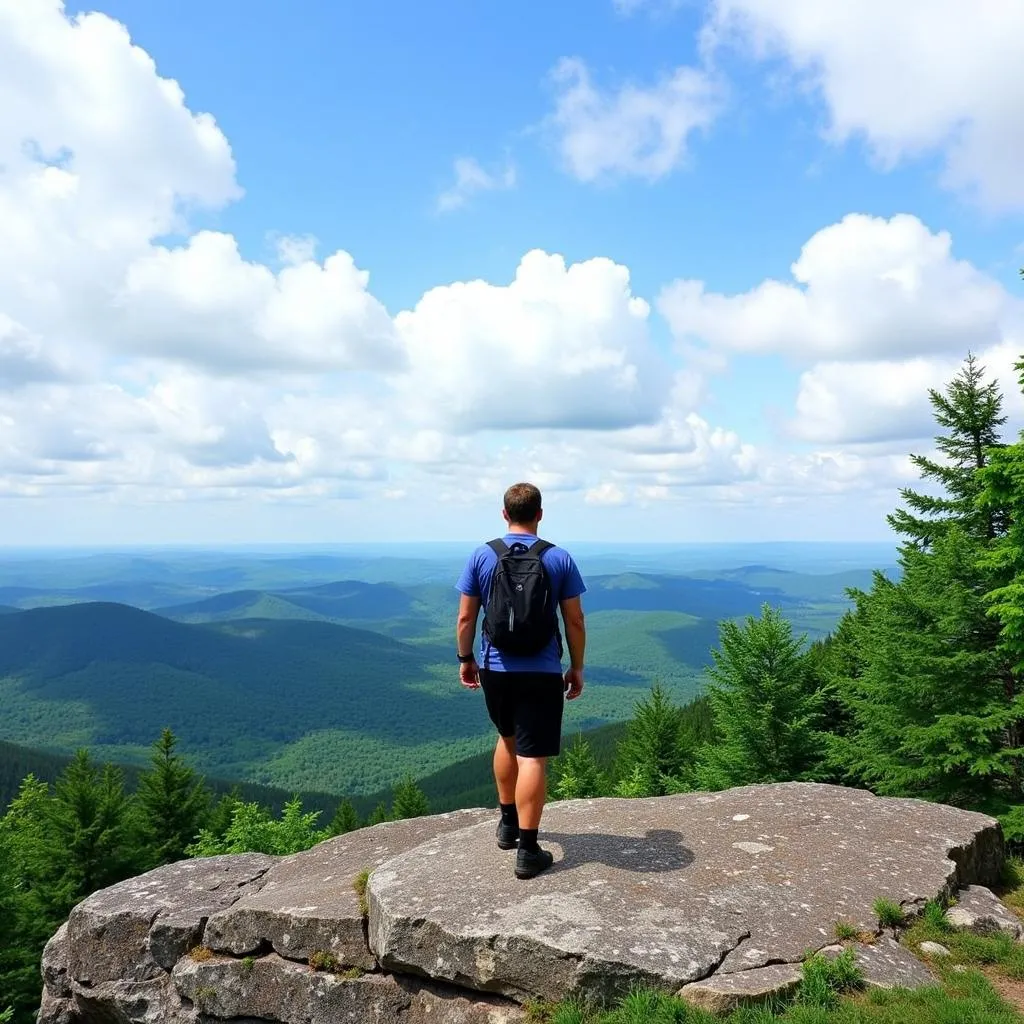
(576, 638)
(465, 635)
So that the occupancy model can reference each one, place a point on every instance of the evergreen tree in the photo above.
(35, 895)
(19, 977)
(90, 824)
(173, 803)
(971, 413)
(409, 800)
(652, 754)
(223, 813)
(378, 815)
(578, 774)
(935, 709)
(345, 819)
(765, 706)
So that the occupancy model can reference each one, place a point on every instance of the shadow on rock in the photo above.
(659, 850)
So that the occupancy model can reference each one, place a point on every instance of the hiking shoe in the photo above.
(533, 862)
(508, 836)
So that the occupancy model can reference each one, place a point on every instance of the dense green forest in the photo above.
(109, 676)
(916, 692)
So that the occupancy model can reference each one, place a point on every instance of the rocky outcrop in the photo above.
(719, 896)
(981, 911)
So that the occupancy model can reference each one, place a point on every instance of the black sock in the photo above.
(509, 815)
(528, 839)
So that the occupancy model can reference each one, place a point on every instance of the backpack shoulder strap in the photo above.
(540, 546)
(498, 546)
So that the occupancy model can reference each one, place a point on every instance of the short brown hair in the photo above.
(522, 503)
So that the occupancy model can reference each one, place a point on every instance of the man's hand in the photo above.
(573, 683)
(469, 675)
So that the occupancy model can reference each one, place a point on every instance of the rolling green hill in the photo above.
(411, 612)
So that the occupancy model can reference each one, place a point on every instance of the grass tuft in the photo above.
(846, 932)
(350, 973)
(321, 960)
(825, 979)
(889, 914)
(200, 953)
(359, 884)
(934, 917)
(248, 963)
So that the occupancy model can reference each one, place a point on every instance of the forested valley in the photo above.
(916, 692)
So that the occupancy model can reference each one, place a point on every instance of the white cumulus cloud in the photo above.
(203, 303)
(864, 288)
(632, 131)
(560, 346)
(912, 78)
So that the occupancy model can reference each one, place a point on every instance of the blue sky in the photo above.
(181, 360)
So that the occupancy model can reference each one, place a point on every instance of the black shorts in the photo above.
(528, 706)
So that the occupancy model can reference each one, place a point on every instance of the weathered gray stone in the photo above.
(136, 930)
(669, 890)
(887, 964)
(306, 902)
(155, 1001)
(934, 949)
(980, 910)
(55, 964)
(724, 992)
(271, 988)
(54, 1010)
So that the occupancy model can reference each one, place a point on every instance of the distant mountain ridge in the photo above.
(345, 600)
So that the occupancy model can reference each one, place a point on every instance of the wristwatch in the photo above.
(465, 659)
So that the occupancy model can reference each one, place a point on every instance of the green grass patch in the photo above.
(966, 998)
(889, 914)
(359, 884)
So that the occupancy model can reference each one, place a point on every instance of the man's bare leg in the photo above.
(506, 769)
(531, 791)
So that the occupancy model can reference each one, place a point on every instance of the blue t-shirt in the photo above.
(566, 583)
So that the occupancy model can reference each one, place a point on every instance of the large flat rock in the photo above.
(306, 903)
(668, 891)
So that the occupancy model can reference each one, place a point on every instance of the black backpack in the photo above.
(520, 617)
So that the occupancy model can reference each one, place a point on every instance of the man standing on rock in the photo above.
(522, 582)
